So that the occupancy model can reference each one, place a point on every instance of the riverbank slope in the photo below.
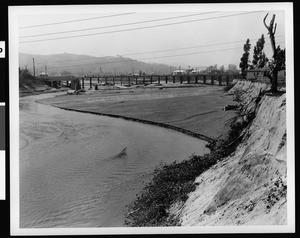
(249, 187)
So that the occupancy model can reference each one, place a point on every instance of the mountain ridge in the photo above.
(78, 65)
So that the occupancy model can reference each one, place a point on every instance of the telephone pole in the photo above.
(33, 67)
(45, 69)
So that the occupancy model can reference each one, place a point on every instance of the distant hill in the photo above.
(78, 64)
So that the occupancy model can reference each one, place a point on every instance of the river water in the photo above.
(71, 172)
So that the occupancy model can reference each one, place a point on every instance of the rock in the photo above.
(71, 92)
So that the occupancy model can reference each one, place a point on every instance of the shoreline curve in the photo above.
(163, 125)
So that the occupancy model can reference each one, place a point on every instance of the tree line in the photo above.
(272, 66)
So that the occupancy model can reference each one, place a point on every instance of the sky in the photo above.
(178, 35)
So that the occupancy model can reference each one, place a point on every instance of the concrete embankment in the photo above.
(249, 187)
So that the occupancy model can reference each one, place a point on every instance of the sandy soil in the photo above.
(197, 109)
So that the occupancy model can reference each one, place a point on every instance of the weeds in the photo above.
(238, 95)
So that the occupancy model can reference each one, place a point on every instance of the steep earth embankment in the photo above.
(29, 85)
(249, 187)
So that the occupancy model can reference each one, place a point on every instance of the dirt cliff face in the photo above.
(249, 187)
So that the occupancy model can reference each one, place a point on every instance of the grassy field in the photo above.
(197, 109)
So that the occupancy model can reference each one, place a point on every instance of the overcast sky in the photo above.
(204, 36)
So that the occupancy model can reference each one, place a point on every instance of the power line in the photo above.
(138, 28)
(125, 24)
(158, 57)
(158, 51)
(86, 19)
(191, 47)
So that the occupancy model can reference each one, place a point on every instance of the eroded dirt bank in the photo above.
(248, 187)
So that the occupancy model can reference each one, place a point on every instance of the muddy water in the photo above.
(72, 173)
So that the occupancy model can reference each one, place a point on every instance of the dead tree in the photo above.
(273, 68)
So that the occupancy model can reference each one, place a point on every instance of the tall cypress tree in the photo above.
(244, 64)
(259, 57)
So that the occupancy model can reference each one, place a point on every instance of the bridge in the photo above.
(126, 80)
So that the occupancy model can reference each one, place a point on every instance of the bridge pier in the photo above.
(90, 83)
(166, 79)
(158, 79)
(212, 80)
(173, 78)
(204, 79)
(220, 80)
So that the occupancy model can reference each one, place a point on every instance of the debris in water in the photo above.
(121, 154)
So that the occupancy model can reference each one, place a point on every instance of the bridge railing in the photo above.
(93, 80)
(220, 80)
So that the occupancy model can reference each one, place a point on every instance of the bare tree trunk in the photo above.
(271, 31)
(274, 81)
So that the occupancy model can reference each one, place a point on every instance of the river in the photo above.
(71, 170)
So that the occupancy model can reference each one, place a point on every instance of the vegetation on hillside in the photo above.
(28, 82)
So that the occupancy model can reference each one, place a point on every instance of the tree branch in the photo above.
(275, 28)
(265, 21)
(272, 21)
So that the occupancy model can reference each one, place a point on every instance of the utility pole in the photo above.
(115, 71)
(45, 69)
(33, 67)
